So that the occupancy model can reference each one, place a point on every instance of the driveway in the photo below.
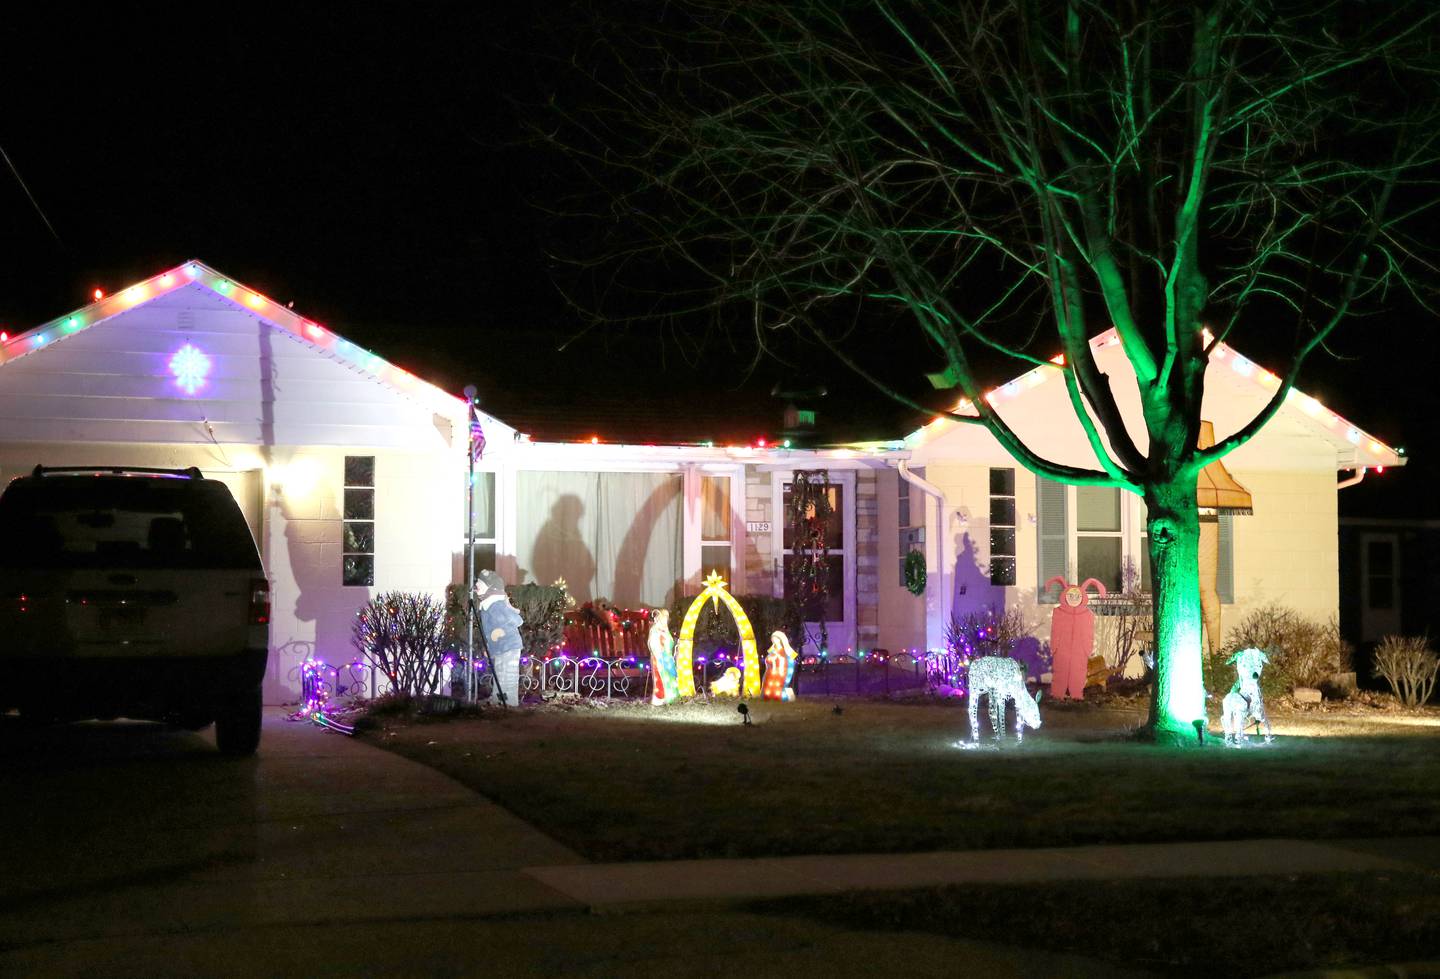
(114, 831)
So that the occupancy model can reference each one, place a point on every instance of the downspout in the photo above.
(929, 489)
(1359, 475)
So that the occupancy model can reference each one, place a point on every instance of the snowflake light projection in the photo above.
(190, 368)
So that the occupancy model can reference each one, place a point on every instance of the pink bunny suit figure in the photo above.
(1072, 637)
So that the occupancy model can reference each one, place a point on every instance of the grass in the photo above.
(1218, 927)
(630, 782)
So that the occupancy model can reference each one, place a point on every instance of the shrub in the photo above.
(1126, 631)
(716, 627)
(402, 635)
(1409, 665)
(543, 608)
(1303, 652)
(986, 632)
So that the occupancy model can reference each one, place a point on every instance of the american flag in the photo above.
(477, 436)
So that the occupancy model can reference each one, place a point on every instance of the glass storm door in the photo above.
(837, 610)
(1379, 586)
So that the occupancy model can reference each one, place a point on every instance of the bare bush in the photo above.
(1409, 665)
(402, 635)
(1127, 629)
(986, 632)
(1303, 652)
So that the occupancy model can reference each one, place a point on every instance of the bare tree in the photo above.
(1002, 174)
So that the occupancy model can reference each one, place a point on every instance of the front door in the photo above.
(1379, 586)
(837, 608)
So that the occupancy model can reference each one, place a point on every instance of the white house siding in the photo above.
(419, 507)
(901, 614)
(1288, 551)
(274, 418)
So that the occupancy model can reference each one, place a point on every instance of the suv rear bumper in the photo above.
(192, 687)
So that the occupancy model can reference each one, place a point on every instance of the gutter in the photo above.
(1359, 475)
(930, 489)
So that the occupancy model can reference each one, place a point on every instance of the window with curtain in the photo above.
(609, 535)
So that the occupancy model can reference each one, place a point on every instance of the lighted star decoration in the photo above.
(190, 368)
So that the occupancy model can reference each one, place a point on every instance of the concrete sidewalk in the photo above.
(628, 886)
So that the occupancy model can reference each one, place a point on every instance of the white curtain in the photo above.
(609, 535)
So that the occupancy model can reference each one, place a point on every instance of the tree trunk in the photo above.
(1178, 702)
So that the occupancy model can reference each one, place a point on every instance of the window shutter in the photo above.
(1051, 533)
(1225, 574)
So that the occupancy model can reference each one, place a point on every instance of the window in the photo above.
(358, 546)
(1099, 543)
(716, 551)
(483, 507)
(910, 519)
(833, 609)
(612, 535)
(1110, 535)
(1002, 526)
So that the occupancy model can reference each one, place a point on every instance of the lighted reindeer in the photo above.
(1244, 703)
(1001, 678)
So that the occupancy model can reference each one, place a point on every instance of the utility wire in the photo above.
(34, 203)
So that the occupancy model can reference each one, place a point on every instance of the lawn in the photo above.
(631, 782)
(1222, 927)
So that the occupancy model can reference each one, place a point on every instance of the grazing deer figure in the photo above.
(1244, 702)
(1001, 678)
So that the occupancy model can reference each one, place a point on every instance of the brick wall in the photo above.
(867, 559)
(760, 563)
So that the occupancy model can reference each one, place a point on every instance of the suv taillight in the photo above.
(259, 601)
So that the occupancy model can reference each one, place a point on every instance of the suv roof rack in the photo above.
(193, 472)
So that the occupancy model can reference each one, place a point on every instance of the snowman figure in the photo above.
(500, 621)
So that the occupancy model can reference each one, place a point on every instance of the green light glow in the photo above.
(1183, 695)
(72, 324)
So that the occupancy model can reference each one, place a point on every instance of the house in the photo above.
(352, 473)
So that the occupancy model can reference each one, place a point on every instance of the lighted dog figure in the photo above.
(1244, 703)
(662, 660)
(728, 685)
(779, 669)
(1001, 678)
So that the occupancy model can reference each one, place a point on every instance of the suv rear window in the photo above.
(123, 522)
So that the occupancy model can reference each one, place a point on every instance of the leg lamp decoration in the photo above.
(501, 623)
(779, 669)
(1072, 637)
(716, 592)
(1001, 678)
(1244, 703)
(662, 660)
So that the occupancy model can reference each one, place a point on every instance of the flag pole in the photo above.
(470, 547)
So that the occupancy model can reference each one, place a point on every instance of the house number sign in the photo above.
(757, 527)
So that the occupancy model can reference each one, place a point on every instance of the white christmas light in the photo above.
(1001, 678)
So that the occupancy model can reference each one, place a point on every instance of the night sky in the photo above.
(370, 167)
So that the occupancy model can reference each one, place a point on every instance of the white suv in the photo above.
(135, 593)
